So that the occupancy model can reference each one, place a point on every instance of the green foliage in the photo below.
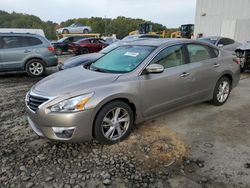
(121, 26)
(18, 20)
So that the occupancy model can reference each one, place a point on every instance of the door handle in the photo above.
(185, 74)
(27, 51)
(216, 65)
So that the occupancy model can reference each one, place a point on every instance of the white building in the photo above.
(228, 18)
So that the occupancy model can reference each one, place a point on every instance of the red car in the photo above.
(87, 45)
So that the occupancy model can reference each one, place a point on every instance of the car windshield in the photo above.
(62, 39)
(110, 48)
(209, 40)
(123, 59)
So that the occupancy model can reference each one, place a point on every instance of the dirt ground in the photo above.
(198, 146)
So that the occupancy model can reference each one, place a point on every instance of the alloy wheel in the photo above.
(115, 123)
(36, 68)
(223, 91)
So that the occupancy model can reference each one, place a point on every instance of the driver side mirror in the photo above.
(220, 45)
(154, 68)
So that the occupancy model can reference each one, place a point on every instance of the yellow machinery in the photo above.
(186, 31)
(176, 34)
(147, 28)
(96, 35)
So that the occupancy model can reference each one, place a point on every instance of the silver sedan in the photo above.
(133, 83)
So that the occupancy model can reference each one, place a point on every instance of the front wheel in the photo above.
(85, 31)
(114, 122)
(35, 68)
(84, 51)
(221, 92)
(65, 31)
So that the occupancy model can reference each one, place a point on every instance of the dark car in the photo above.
(87, 45)
(62, 44)
(26, 52)
(243, 52)
(90, 58)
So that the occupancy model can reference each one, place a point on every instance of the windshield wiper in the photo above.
(98, 69)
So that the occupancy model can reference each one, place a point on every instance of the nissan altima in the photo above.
(133, 83)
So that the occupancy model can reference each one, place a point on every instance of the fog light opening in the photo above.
(63, 132)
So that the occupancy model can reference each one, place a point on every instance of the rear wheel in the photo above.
(35, 67)
(84, 50)
(114, 122)
(221, 92)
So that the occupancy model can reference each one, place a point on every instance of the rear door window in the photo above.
(199, 52)
(12, 42)
(31, 41)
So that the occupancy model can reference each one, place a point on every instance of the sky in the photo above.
(171, 13)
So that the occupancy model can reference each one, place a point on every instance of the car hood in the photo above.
(72, 81)
(82, 59)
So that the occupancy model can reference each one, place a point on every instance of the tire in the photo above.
(35, 67)
(112, 130)
(220, 95)
(84, 51)
(85, 31)
(58, 51)
(65, 31)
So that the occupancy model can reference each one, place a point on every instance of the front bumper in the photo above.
(42, 123)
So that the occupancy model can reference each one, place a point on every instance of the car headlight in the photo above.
(74, 104)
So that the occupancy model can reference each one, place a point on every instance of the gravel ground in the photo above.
(145, 160)
(170, 151)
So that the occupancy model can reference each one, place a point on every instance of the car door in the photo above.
(169, 89)
(14, 51)
(204, 64)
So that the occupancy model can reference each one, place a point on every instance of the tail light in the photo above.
(236, 60)
(51, 48)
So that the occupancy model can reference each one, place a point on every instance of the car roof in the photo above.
(158, 41)
(90, 38)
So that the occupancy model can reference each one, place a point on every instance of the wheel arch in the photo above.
(32, 58)
(227, 75)
(107, 101)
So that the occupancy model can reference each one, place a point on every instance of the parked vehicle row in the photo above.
(134, 82)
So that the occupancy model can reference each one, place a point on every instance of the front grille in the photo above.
(35, 101)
